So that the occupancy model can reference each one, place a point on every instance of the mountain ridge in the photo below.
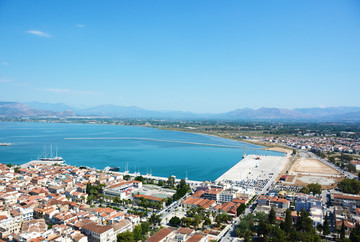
(34, 109)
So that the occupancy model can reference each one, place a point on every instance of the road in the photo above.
(170, 210)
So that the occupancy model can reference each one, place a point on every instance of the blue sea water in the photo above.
(163, 158)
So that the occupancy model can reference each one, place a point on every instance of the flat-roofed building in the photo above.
(338, 199)
(213, 194)
(227, 195)
(123, 189)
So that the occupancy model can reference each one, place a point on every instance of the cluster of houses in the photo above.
(48, 203)
(339, 207)
(320, 143)
(216, 199)
(42, 202)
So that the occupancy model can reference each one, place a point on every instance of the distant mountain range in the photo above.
(15, 109)
(37, 109)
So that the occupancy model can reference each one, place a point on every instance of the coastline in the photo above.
(266, 146)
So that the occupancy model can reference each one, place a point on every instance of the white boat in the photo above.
(6, 144)
(51, 156)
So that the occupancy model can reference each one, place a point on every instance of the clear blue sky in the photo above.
(200, 56)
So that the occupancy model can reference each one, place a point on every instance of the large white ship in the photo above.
(50, 156)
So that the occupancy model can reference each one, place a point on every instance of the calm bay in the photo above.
(141, 148)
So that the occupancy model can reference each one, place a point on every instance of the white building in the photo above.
(99, 233)
(227, 196)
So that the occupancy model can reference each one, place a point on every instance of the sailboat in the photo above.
(51, 156)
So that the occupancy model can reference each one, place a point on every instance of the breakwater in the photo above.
(166, 141)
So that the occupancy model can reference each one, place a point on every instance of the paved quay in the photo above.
(255, 172)
(254, 167)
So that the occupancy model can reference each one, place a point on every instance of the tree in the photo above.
(185, 221)
(181, 190)
(175, 221)
(155, 219)
(279, 235)
(264, 228)
(288, 226)
(145, 227)
(315, 188)
(117, 200)
(140, 178)
(332, 159)
(222, 218)
(161, 183)
(355, 234)
(171, 181)
(294, 152)
(345, 157)
(304, 222)
(350, 186)
(168, 201)
(326, 227)
(137, 233)
(126, 237)
(241, 209)
(272, 216)
(342, 231)
(207, 221)
(127, 177)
